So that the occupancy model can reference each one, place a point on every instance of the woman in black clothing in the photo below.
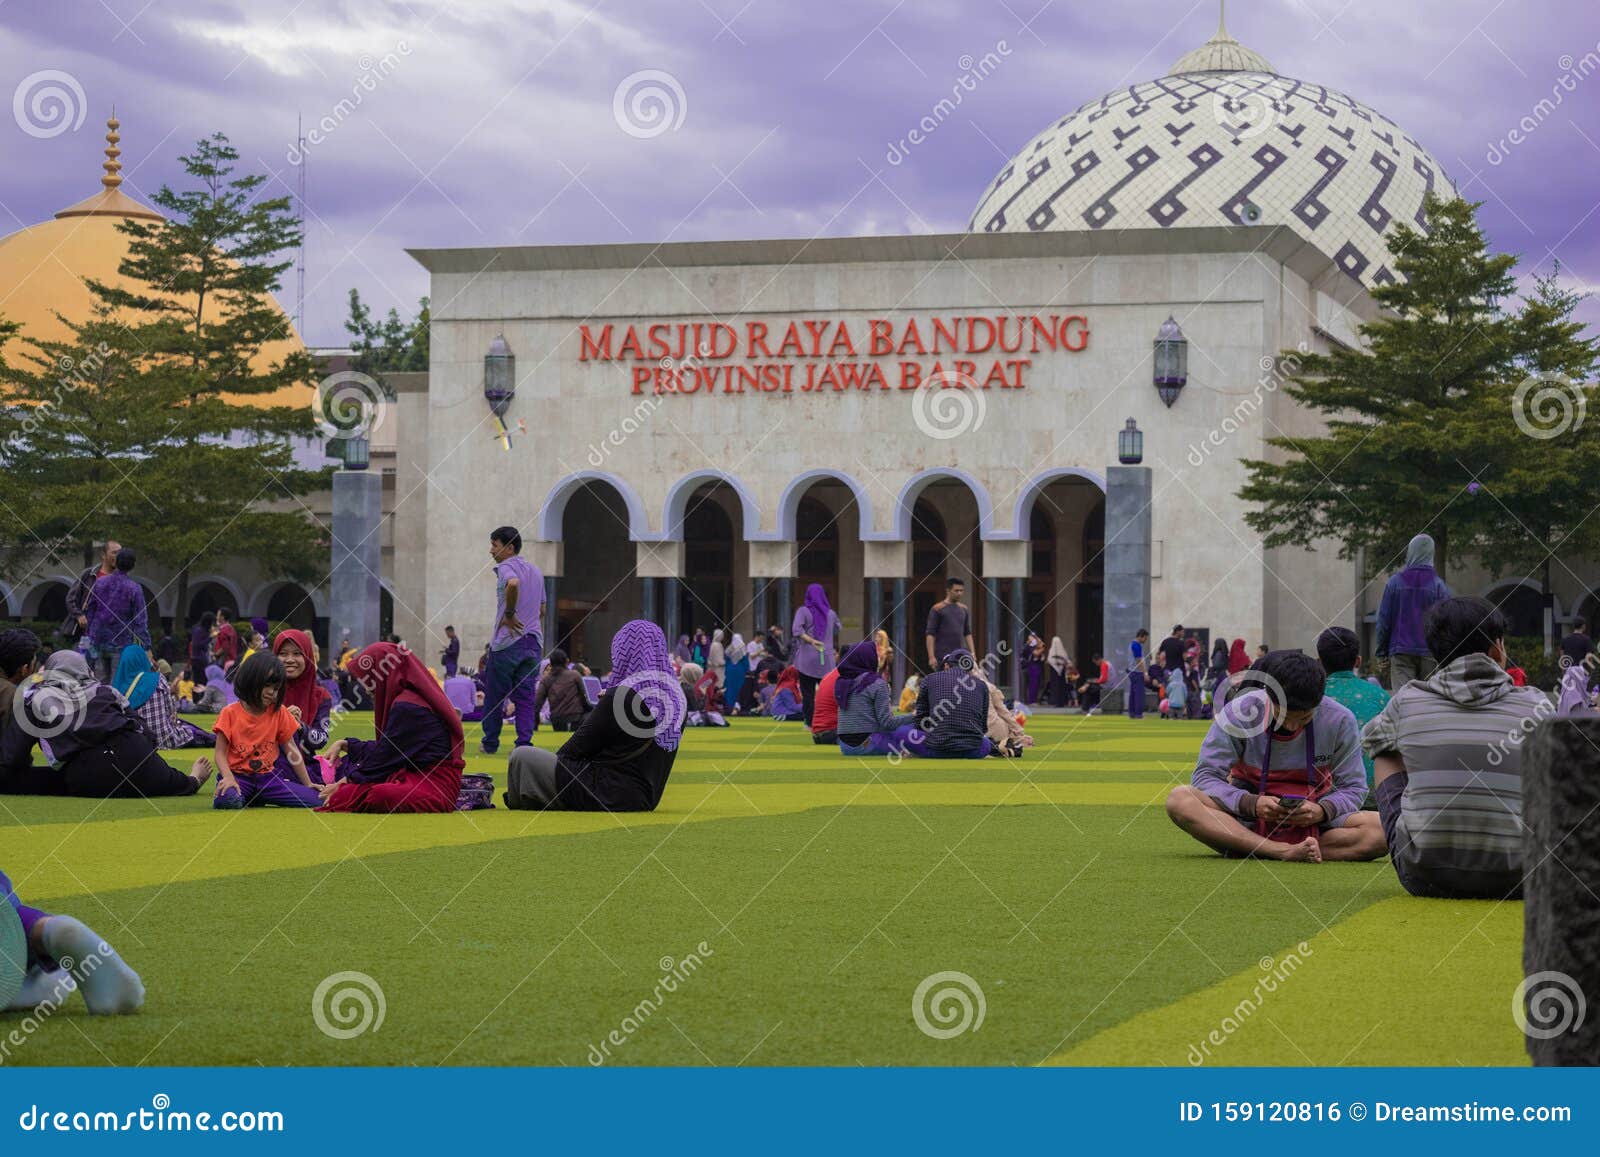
(620, 756)
(95, 744)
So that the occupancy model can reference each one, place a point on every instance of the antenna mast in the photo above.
(300, 196)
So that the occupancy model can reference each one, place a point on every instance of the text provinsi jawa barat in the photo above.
(821, 354)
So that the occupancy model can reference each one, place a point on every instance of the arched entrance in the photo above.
(705, 594)
(46, 602)
(597, 590)
(212, 597)
(291, 606)
(944, 545)
(1523, 607)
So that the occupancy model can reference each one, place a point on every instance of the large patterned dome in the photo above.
(1222, 139)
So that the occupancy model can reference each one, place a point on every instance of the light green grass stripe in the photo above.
(1403, 982)
(105, 855)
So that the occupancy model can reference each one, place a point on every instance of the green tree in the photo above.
(1421, 409)
(156, 421)
(390, 346)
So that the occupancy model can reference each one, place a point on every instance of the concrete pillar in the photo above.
(671, 628)
(648, 608)
(1127, 569)
(874, 606)
(1561, 866)
(353, 582)
(786, 608)
(551, 628)
(897, 632)
(1018, 625)
(758, 606)
(992, 654)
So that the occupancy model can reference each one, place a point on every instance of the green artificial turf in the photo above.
(824, 891)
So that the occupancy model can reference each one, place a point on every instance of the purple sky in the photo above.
(492, 122)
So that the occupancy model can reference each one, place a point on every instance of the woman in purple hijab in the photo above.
(620, 756)
(867, 722)
(815, 631)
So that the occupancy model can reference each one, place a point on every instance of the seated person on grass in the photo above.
(866, 722)
(1279, 773)
(562, 688)
(952, 712)
(1449, 779)
(1339, 652)
(62, 955)
(825, 709)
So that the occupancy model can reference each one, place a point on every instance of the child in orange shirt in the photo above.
(250, 734)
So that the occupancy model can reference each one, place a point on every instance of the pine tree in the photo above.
(390, 346)
(155, 422)
(1420, 410)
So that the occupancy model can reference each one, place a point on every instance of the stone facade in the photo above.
(592, 458)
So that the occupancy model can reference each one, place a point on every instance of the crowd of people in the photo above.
(1305, 759)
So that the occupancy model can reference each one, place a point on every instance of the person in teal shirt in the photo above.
(1340, 653)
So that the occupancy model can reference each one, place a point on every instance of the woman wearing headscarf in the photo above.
(304, 697)
(880, 640)
(737, 672)
(415, 762)
(816, 633)
(89, 735)
(702, 647)
(717, 658)
(1058, 687)
(786, 702)
(200, 642)
(1238, 658)
(219, 690)
(620, 756)
(1573, 692)
(867, 722)
(152, 700)
(1217, 675)
(682, 653)
(1033, 661)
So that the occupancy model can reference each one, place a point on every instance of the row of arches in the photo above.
(599, 587)
(1007, 520)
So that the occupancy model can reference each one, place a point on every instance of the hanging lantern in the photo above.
(499, 376)
(1130, 444)
(357, 451)
(1172, 361)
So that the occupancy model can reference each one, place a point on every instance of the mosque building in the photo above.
(1052, 406)
(700, 430)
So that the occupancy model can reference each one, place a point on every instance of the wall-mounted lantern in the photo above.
(1172, 361)
(499, 376)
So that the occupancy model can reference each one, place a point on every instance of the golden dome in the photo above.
(43, 267)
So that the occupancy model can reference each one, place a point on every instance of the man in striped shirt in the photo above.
(1447, 755)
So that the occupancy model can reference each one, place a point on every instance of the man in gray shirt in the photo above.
(1447, 759)
(949, 625)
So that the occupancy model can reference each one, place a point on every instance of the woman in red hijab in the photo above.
(415, 763)
(1238, 660)
(305, 698)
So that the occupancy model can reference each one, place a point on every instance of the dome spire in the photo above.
(1222, 53)
(112, 166)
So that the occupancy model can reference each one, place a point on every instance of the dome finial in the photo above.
(1222, 19)
(112, 166)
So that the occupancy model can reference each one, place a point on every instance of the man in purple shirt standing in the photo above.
(515, 643)
(117, 615)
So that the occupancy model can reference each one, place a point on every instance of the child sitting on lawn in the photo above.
(251, 734)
